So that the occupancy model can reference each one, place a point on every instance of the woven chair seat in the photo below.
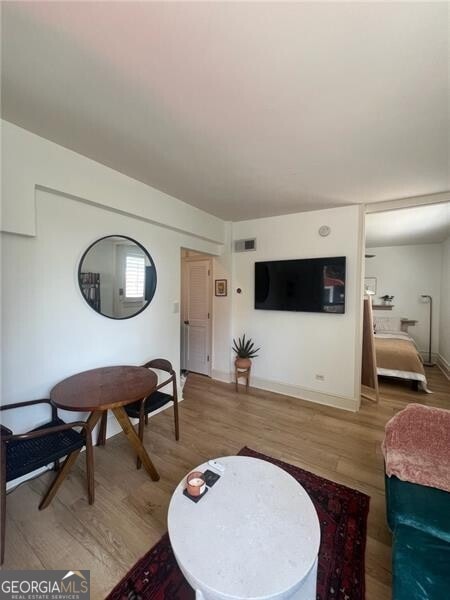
(152, 403)
(24, 456)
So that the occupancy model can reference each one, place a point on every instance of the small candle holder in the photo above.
(195, 484)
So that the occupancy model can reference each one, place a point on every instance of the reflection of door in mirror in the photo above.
(100, 259)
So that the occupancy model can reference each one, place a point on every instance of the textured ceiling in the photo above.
(429, 224)
(241, 109)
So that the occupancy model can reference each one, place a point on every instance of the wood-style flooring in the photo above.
(129, 514)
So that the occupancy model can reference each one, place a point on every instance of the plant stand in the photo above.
(243, 373)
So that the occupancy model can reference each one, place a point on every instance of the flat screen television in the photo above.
(305, 285)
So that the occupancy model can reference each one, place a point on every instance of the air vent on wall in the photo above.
(245, 245)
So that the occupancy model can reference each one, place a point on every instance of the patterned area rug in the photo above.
(343, 521)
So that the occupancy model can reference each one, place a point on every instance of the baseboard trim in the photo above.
(221, 376)
(295, 391)
(424, 355)
(113, 427)
(443, 365)
(11, 485)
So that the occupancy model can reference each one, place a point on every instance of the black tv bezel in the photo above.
(316, 312)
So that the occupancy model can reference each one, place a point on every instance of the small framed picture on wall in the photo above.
(220, 287)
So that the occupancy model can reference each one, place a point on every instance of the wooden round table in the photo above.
(108, 388)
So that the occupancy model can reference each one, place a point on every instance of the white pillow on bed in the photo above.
(385, 324)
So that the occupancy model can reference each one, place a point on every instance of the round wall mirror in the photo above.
(117, 277)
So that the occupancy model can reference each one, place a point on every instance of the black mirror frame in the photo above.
(146, 252)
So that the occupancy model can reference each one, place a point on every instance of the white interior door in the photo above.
(196, 316)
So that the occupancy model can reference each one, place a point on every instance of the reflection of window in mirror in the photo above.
(134, 277)
(130, 278)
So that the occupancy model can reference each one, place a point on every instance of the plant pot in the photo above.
(243, 363)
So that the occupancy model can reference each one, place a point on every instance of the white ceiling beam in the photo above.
(410, 202)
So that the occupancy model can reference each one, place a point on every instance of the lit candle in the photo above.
(196, 484)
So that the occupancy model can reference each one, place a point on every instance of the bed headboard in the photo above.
(386, 324)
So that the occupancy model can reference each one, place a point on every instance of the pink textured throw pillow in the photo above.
(416, 446)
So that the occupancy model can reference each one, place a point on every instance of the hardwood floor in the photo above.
(129, 514)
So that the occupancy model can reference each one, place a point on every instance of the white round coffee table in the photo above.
(255, 534)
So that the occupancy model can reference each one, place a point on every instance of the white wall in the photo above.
(50, 330)
(406, 272)
(444, 338)
(56, 203)
(295, 347)
(29, 161)
(223, 314)
(47, 326)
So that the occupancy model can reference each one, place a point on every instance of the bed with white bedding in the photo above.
(397, 355)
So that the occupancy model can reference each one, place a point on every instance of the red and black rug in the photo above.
(343, 521)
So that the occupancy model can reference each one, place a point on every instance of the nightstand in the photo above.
(405, 323)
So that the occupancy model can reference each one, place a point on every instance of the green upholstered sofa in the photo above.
(419, 518)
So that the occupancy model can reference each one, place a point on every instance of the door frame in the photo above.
(184, 261)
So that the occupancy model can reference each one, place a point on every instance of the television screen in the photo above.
(309, 285)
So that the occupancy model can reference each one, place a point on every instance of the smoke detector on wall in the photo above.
(324, 230)
(245, 245)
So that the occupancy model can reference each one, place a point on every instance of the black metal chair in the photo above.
(143, 408)
(26, 452)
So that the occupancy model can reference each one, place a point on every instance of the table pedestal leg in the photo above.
(308, 587)
(64, 470)
(101, 438)
(135, 442)
(92, 421)
(62, 474)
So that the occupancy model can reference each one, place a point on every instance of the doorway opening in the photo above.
(406, 282)
(196, 313)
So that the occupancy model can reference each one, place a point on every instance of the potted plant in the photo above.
(245, 350)
(386, 299)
